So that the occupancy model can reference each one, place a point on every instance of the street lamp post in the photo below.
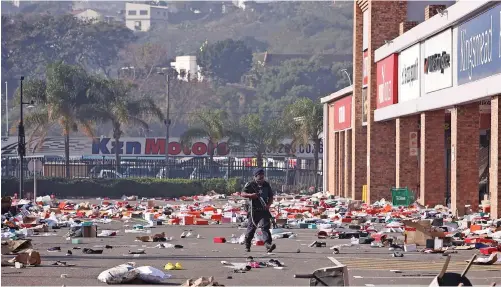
(166, 72)
(348, 75)
(21, 142)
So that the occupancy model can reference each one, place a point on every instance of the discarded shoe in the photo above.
(92, 251)
(108, 247)
(178, 266)
(140, 251)
(69, 253)
(54, 249)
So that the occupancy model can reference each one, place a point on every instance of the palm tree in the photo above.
(305, 119)
(60, 99)
(258, 135)
(115, 104)
(209, 124)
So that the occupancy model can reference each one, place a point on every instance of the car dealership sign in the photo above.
(387, 80)
(437, 70)
(479, 46)
(150, 146)
(409, 74)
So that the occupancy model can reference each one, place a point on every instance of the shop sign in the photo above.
(387, 80)
(437, 71)
(479, 46)
(342, 114)
(409, 74)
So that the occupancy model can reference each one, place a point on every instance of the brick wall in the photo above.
(494, 170)
(358, 135)
(406, 26)
(385, 18)
(432, 162)
(347, 164)
(464, 154)
(432, 10)
(407, 169)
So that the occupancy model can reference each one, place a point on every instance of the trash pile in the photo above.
(401, 229)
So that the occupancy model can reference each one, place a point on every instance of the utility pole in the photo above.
(6, 109)
(167, 122)
(21, 145)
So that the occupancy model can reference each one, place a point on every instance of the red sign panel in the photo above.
(387, 81)
(342, 114)
(365, 69)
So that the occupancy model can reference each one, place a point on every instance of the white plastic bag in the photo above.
(120, 274)
(152, 275)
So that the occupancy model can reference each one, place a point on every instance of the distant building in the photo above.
(93, 15)
(140, 17)
(187, 68)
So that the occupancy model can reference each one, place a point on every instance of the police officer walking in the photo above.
(260, 196)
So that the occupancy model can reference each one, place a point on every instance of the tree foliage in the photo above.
(305, 123)
(258, 135)
(29, 44)
(225, 61)
(115, 104)
(60, 99)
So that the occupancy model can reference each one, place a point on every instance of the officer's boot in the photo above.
(270, 247)
(248, 244)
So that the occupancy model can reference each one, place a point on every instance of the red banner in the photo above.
(342, 114)
(365, 69)
(387, 81)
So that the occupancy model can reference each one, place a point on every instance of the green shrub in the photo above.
(115, 188)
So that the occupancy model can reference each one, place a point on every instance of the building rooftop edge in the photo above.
(336, 95)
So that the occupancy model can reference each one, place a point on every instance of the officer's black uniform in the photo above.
(258, 214)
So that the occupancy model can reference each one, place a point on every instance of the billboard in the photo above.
(149, 146)
(387, 81)
(479, 46)
(409, 74)
(437, 70)
(342, 114)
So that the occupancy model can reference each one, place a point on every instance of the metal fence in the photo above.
(283, 176)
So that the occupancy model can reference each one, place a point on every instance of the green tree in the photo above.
(117, 106)
(30, 43)
(207, 124)
(225, 61)
(61, 100)
(305, 118)
(258, 135)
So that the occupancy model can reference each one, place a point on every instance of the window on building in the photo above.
(132, 12)
(143, 12)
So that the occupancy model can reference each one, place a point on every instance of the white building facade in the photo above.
(187, 68)
(141, 17)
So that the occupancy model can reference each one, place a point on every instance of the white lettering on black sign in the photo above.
(437, 62)
(476, 50)
(410, 73)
